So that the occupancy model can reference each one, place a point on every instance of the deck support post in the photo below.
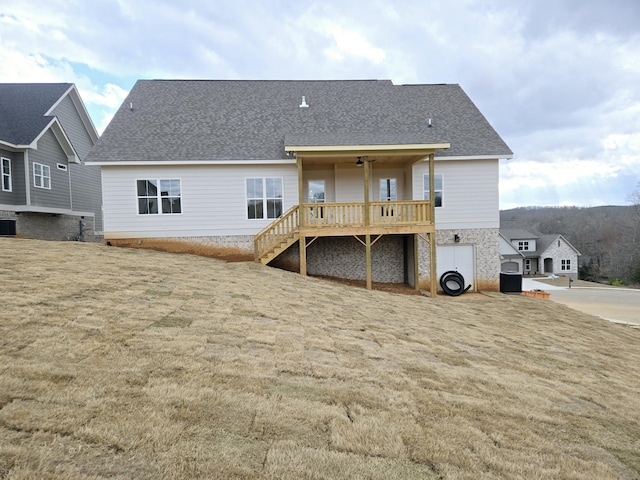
(367, 247)
(416, 263)
(432, 236)
(302, 242)
(303, 256)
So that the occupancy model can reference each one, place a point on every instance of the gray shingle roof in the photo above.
(23, 107)
(199, 120)
(518, 234)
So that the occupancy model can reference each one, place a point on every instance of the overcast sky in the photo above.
(558, 79)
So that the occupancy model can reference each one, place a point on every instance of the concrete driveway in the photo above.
(615, 304)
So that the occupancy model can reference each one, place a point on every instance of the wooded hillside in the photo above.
(607, 237)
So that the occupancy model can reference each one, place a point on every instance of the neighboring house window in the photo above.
(523, 246)
(388, 191)
(6, 174)
(527, 264)
(164, 200)
(566, 265)
(437, 183)
(41, 176)
(264, 197)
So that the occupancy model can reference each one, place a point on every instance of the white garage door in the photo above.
(459, 258)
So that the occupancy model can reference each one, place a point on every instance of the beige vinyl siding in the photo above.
(213, 200)
(349, 184)
(470, 193)
(50, 153)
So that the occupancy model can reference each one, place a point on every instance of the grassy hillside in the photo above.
(122, 363)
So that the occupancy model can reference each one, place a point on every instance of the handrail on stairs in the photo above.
(277, 232)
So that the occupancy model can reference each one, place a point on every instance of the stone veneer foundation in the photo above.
(47, 226)
(487, 267)
(391, 255)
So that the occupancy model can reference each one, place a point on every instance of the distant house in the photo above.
(47, 190)
(523, 251)
(353, 179)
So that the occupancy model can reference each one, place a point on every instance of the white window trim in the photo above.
(159, 197)
(264, 198)
(42, 177)
(8, 175)
(389, 198)
(441, 190)
(309, 200)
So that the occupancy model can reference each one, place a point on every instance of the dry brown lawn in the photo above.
(135, 364)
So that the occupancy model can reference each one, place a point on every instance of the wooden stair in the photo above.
(278, 236)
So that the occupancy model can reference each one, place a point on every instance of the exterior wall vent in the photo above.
(304, 103)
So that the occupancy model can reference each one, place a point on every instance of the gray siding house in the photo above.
(531, 254)
(362, 180)
(47, 191)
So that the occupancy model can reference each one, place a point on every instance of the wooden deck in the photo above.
(342, 219)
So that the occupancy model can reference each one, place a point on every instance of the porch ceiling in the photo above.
(348, 154)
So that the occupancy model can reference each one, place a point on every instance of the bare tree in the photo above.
(634, 198)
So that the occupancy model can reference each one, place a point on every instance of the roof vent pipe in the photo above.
(429, 123)
(304, 103)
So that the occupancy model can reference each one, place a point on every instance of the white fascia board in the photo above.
(61, 136)
(172, 163)
(475, 157)
(366, 148)
(13, 147)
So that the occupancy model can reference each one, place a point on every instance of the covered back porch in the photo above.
(362, 191)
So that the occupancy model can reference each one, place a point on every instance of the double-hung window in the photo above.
(566, 264)
(264, 197)
(438, 188)
(159, 197)
(41, 176)
(6, 174)
(523, 246)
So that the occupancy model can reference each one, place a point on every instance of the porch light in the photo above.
(359, 163)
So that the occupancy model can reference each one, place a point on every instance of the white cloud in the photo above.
(350, 44)
(558, 80)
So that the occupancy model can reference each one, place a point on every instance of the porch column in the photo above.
(300, 192)
(367, 218)
(432, 236)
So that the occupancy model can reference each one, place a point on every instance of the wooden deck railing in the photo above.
(345, 214)
(410, 212)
